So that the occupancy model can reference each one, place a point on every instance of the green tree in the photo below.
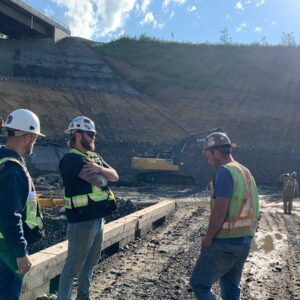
(288, 39)
(225, 38)
(264, 41)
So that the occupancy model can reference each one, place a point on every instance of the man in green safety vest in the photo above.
(20, 218)
(232, 224)
(87, 200)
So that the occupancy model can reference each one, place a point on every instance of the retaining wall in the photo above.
(48, 263)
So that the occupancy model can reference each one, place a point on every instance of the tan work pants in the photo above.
(287, 205)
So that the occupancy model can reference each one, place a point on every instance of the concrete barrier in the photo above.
(48, 263)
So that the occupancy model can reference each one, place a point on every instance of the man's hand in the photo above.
(206, 242)
(23, 264)
(107, 171)
(91, 168)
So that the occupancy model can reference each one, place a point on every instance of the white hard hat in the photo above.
(294, 174)
(217, 139)
(81, 123)
(24, 120)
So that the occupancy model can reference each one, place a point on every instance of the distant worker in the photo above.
(20, 218)
(1, 126)
(232, 224)
(87, 200)
(290, 190)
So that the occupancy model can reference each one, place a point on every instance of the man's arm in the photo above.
(13, 195)
(216, 220)
(95, 179)
(223, 188)
(107, 171)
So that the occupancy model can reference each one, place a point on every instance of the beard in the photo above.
(87, 145)
(28, 149)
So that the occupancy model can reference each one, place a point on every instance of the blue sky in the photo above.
(196, 21)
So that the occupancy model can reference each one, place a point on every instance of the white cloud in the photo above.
(258, 29)
(241, 27)
(228, 17)
(273, 23)
(260, 2)
(239, 6)
(145, 4)
(192, 8)
(49, 12)
(172, 14)
(115, 36)
(180, 1)
(96, 18)
(166, 3)
(150, 20)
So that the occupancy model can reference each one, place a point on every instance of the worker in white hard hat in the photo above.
(88, 200)
(290, 190)
(232, 224)
(20, 218)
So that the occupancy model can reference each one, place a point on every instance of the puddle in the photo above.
(268, 244)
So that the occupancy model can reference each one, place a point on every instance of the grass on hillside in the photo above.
(195, 66)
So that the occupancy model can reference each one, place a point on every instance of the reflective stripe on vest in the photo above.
(98, 194)
(32, 219)
(241, 218)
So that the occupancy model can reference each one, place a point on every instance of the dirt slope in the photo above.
(118, 117)
(148, 90)
(251, 91)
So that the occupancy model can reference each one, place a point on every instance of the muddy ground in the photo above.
(158, 266)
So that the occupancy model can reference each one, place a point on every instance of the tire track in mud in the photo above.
(159, 265)
(272, 268)
(156, 267)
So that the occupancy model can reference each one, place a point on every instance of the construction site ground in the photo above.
(158, 265)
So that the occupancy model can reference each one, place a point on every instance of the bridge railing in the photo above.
(30, 7)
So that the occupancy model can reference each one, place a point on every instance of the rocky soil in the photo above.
(158, 266)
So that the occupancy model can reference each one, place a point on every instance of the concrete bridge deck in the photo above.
(19, 20)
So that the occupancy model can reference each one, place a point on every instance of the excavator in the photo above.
(167, 166)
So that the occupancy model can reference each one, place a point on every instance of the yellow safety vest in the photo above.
(33, 217)
(97, 194)
(242, 214)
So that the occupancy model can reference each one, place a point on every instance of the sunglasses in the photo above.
(90, 134)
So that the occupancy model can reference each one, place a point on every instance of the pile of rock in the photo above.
(56, 223)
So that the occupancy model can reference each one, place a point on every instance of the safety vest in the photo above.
(97, 194)
(242, 214)
(33, 217)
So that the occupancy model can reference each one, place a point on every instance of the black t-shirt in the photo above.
(70, 167)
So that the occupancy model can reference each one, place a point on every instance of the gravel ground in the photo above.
(159, 265)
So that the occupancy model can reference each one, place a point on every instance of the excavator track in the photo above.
(165, 178)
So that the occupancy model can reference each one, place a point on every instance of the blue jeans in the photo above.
(222, 262)
(84, 250)
(10, 282)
